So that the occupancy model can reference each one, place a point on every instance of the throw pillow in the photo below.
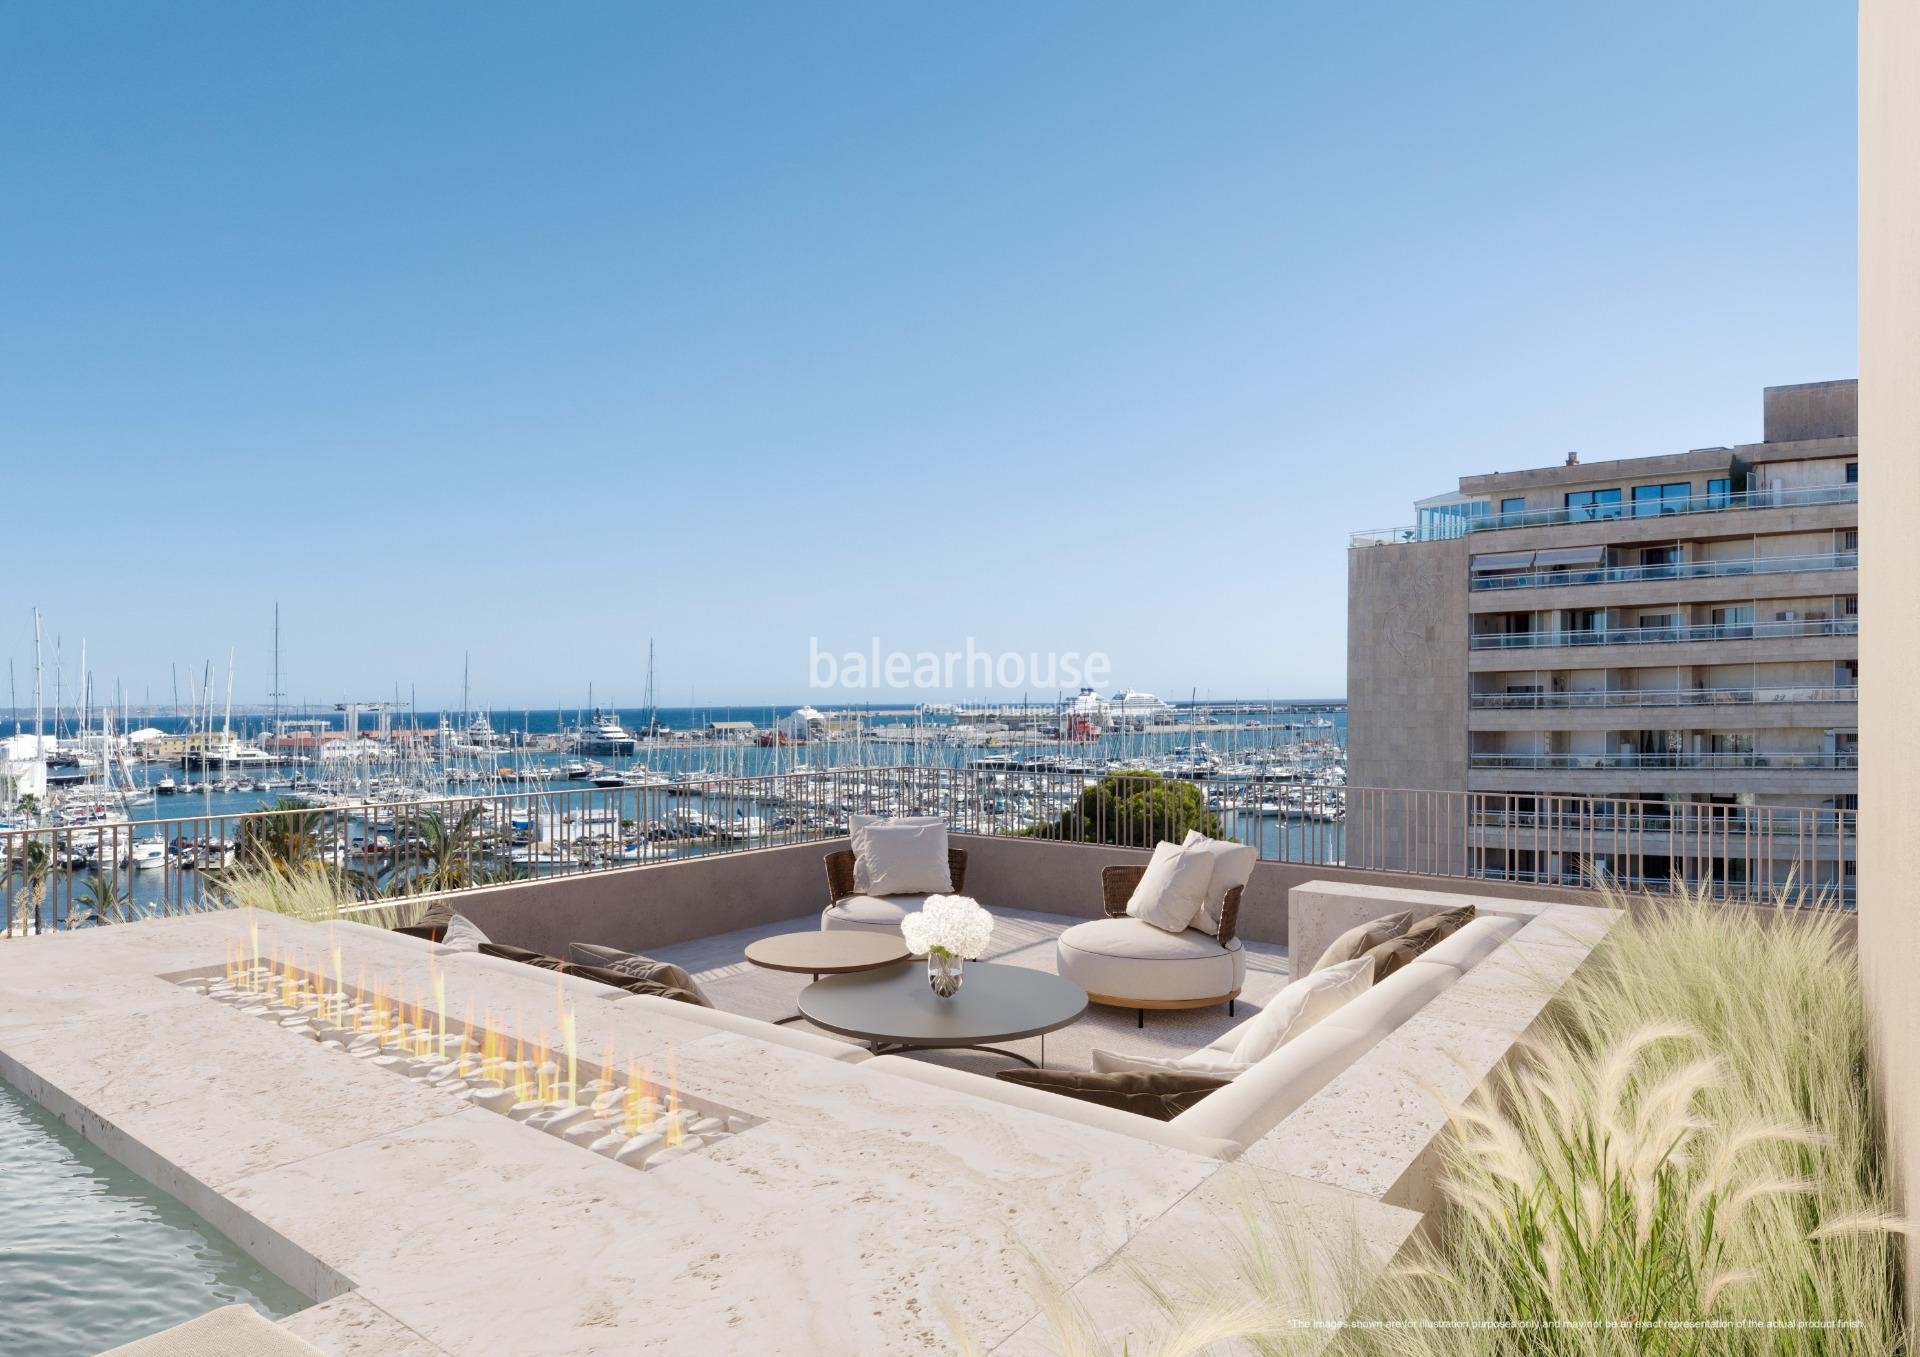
(1206, 1060)
(1232, 866)
(1394, 953)
(1173, 888)
(1439, 927)
(638, 967)
(1300, 1005)
(903, 859)
(438, 912)
(1160, 1095)
(633, 985)
(857, 827)
(462, 935)
(1363, 938)
(525, 956)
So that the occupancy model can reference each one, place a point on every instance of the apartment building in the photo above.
(1674, 635)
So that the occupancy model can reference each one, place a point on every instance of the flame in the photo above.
(675, 1133)
(639, 1101)
(463, 1061)
(573, 1061)
(439, 1010)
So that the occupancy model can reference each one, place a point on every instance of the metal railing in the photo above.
(1678, 570)
(1659, 697)
(1711, 631)
(1457, 525)
(1826, 760)
(1757, 853)
(57, 877)
(1627, 507)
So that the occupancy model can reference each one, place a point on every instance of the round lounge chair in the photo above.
(1128, 963)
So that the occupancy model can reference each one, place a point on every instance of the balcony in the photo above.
(1659, 697)
(1691, 504)
(1683, 570)
(1801, 760)
(1714, 631)
(1456, 526)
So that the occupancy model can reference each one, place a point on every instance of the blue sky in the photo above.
(536, 332)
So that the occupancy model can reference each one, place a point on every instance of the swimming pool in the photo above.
(92, 1255)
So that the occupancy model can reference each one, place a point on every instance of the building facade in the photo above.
(1676, 636)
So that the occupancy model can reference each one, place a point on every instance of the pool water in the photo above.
(92, 1255)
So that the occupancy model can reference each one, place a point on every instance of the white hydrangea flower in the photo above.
(949, 923)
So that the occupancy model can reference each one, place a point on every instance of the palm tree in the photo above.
(36, 870)
(284, 837)
(445, 852)
(102, 902)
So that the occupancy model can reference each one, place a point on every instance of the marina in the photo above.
(138, 823)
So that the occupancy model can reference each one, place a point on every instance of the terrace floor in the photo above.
(1020, 938)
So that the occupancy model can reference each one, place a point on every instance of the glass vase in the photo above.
(944, 973)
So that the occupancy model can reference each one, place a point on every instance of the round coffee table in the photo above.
(819, 952)
(896, 1010)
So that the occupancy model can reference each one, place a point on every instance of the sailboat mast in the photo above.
(276, 694)
(39, 740)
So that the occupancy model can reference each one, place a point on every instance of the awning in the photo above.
(1570, 556)
(1503, 560)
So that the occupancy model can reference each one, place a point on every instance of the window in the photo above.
(1513, 508)
(1719, 492)
(1661, 499)
(1850, 540)
(1583, 505)
(1853, 473)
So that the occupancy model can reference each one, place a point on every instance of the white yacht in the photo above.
(603, 734)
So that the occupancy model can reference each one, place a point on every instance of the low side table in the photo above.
(819, 952)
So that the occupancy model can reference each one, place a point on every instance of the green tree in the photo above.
(284, 837)
(101, 901)
(1132, 810)
(444, 856)
(35, 865)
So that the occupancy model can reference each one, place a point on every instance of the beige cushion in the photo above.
(1206, 1060)
(1472, 943)
(1363, 938)
(871, 913)
(1308, 1000)
(1131, 959)
(462, 935)
(1232, 866)
(1260, 1099)
(1393, 1000)
(1173, 889)
(900, 856)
